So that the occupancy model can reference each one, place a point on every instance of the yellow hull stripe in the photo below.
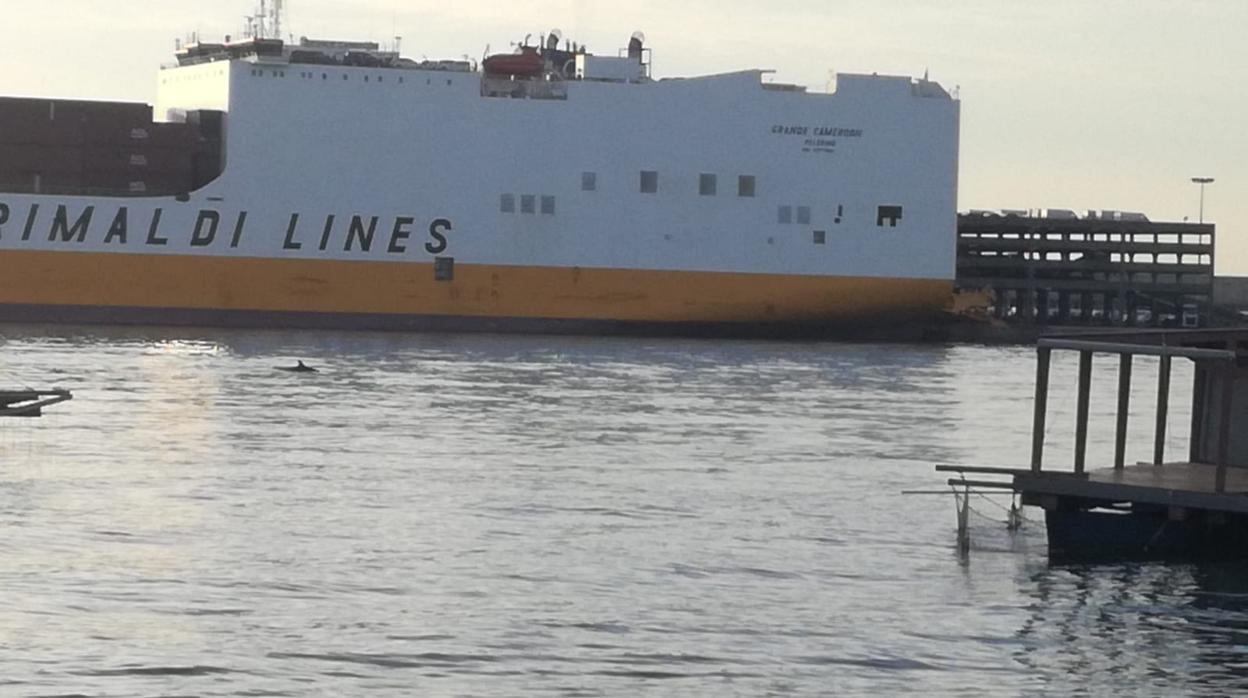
(334, 286)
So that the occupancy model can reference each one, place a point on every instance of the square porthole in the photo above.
(649, 182)
(784, 215)
(443, 268)
(528, 203)
(507, 203)
(803, 215)
(746, 185)
(706, 185)
(888, 216)
(548, 205)
(820, 237)
(589, 181)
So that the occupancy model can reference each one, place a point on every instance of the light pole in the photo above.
(1202, 181)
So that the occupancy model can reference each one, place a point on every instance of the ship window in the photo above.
(785, 214)
(889, 215)
(803, 215)
(589, 181)
(548, 205)
(706, 184)
(649, 182)
(528, 203)
(381, 78)
(821, 237)
(448, 82)
(400, 81)
(324, 76)
(443, 268)
(745, 185)
(344, 76)
(365, 78)
(507, 203)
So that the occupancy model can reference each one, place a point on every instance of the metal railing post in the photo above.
(1044, 357)
(1081, 414)
(1163, 408)
(1124, 402)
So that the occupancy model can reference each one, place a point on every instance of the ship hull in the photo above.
(84, 287)
(348, 196)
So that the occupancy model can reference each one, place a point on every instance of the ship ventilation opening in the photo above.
(638, 52)
(78, 148)
(636, 45)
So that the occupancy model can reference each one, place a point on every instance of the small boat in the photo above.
(527, 63)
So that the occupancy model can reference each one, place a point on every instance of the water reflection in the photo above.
(1101, 629)
(602, 516)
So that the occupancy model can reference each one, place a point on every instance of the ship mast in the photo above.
(266, 23)
(277, 19)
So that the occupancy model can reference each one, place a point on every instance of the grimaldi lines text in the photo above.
(336, 184)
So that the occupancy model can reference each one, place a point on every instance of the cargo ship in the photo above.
(337, 184)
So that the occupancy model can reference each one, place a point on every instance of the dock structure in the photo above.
(1189, 504)
(30, 403)
(1088, 271)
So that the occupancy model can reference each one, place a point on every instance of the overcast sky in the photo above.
(1106, 104)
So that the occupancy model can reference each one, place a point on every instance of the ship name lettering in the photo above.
(201, 237)
(62, 230)
(290, 243)
(362, 230)
(30, 221)
(237, 236)
(4, 216)
(789, 130)
(837, 132)
(329, 226)
(153, 238)
(399, 235)
(117, 229)
(356, 230)
(436, 231)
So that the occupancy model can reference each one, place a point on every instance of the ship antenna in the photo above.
(277, 19)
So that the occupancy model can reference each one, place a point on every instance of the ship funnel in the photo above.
(553, 39)
(635, 46)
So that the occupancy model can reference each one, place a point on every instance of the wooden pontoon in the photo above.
(1197, 506)
(30, 403)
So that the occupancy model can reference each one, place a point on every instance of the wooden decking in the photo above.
(1183, 485)
(30, 403)
(1186, 485)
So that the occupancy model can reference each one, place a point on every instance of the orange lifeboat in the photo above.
(527, 63)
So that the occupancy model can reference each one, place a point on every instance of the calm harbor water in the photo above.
(488, 515)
